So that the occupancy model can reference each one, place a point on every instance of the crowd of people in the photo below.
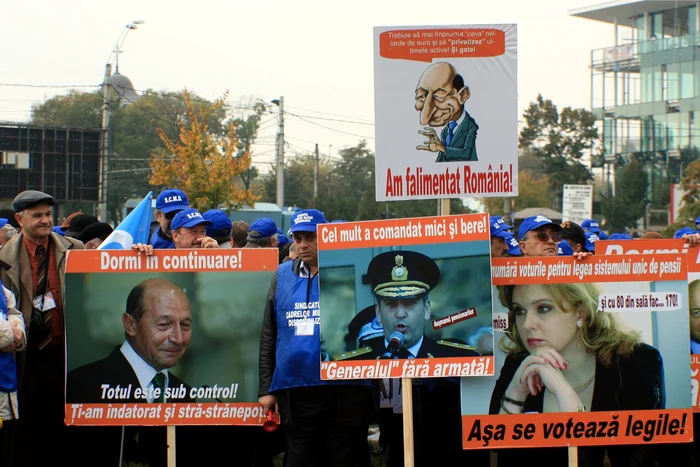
(323, 423)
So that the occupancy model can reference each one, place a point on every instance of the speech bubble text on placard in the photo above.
(424, 45)
(650, 301)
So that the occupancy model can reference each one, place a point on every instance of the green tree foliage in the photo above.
(133, 132)
(629, 203)
(690, 203)
(560, 140)
(351, 195)
(247, 131)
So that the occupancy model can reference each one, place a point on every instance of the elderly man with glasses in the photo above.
(539, 236)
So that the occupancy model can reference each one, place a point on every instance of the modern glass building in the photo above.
(645, 88)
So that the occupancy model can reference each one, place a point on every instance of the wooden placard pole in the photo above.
(171, 445)
(407, 404)
(445, 207)
(573, 456)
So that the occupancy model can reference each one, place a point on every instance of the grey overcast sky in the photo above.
(317, 54)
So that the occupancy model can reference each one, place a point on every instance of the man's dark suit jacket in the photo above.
(101, 445)
(84, 383)
(462, 147)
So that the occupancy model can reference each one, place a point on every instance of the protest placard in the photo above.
(193, 316)
(600, 337)
(672, 245)
(406, 298)
(445, 111)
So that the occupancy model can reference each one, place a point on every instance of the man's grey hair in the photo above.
(9, 231)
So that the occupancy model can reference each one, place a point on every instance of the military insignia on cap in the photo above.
(399, 272)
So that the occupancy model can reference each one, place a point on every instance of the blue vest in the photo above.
(160, 243)
(8, 367)
(298, 357)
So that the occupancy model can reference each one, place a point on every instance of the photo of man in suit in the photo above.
(440, 98)
(158, 327)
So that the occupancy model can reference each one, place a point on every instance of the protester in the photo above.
(13, 338)
(189, 230)
(239, 233)
(6, 231)
(326, 422)
(39, 254)
(500, 233)
(94, 234)
(576, 237)
(78, 224)
(539, 236)
(168, 204)
(560, 350)
(591, 225)
(9, 214)
(220, 228)
(262, 234)
(65, 225)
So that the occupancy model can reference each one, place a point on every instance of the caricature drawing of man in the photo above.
(440, 98)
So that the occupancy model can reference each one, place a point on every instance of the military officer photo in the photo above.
(401, 281)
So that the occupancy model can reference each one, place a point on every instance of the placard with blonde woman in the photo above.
(565, 355)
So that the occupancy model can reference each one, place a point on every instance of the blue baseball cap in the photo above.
(56, 229)
(513, 245)
(697, 221)
(564, 249)
(307, 220)
(4, 221)
(591, 225)
(189, 218)
(262, 228)
(602, 235)
(684, 231)
(591, 238)
(220, 223)
(282, 238)
(535, 222)
(172, 200)
(499, 228)
(620, 236)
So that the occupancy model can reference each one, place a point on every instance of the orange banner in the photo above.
(577, 429)
(208, 413)
(408, 368)
(565, 269)
(210, 260)
(424, 45)
(413, 231)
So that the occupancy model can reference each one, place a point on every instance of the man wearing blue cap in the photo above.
(591, 225)
(262, 234)
(190, 230)
(220, 228)
(500, 233)
(168, 204)
(539, 236)
(326, 422)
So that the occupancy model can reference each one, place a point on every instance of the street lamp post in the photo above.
(106, 101)
(280, 154)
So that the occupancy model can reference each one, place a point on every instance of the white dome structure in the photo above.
(123, 88)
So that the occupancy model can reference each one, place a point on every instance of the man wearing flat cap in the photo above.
(32, 266)
(262, 234)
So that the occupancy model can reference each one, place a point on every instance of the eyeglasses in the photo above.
(556, 237)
